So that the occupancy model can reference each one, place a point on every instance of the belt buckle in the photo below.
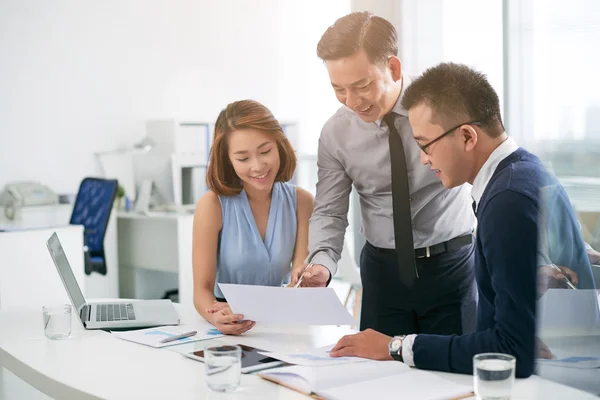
(427, 253)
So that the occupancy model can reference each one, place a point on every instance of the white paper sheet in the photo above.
(572, 362)
(556, 317)
(153, 336)
(283, 305)
(415, 384)
(314, 358)
(318, 379)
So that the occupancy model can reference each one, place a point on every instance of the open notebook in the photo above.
(376, 379)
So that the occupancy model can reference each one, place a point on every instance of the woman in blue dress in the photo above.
(251, 227)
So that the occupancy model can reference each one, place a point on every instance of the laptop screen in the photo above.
(65, 271)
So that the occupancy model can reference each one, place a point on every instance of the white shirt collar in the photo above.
(484, 175)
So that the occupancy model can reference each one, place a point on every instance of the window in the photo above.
(461, 31)
(553, 94)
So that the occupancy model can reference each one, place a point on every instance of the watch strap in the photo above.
(397, 355)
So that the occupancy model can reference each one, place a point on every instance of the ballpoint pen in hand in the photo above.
(302, 276)
(177, 337)
(565, 278)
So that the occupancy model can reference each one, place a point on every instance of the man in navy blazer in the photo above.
(456, 121)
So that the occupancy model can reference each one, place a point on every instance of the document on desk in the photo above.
(374, 379)
(153, 336)
(572, 362)
(283, 305)
(315, 358)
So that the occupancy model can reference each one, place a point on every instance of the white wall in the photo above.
(79, 77)
(305, 87)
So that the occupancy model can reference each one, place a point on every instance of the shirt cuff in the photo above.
(326, 261)
(407, 350)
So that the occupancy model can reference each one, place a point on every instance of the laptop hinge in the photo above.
(85, 313)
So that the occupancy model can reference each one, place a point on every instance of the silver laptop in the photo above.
(113, 315)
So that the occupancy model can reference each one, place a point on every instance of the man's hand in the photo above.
(542, 351)
(366, 344)
(315, 276)
(227, 322)
(593, 256)
(551, 278)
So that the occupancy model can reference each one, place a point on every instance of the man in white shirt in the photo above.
(417, 264)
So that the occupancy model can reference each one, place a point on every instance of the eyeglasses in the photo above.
(425, 147)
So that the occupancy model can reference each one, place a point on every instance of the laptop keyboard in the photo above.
(115, 312)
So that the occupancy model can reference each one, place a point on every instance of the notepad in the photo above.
(374, 379)
(152, 336)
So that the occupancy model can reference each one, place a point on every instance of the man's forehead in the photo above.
(420, 113)
(349, 70)
(420, 118)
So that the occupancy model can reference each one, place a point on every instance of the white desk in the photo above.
(152, 249)
(28, 277)
(93, 365)
(39, 216)
(582, 346)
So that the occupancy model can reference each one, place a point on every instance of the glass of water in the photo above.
(494, 376)
(223, 367)
(57, 321)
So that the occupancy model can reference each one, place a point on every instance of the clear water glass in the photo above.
(57, 321)
(223, 367)
(494, 376)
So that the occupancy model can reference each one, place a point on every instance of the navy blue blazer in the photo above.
(505, 270)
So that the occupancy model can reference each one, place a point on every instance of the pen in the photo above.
(177, 337)
(567, 281)
(302, 276)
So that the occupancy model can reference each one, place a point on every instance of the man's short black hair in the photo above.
(456, 93)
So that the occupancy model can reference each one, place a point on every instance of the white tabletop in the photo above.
(93, 364)
(155, 215)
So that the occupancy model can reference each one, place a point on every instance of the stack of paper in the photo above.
(153, 336)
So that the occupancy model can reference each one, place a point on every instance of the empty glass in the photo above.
(57, 321)
(223, 367)
(494, 376)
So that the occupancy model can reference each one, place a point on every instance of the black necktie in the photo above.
(401, 207)
(474, 207)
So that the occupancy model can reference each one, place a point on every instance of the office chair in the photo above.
(92, 209)
(172, 295)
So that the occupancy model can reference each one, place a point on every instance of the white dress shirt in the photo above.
(356, 153)
(481, 181)
(486, 172)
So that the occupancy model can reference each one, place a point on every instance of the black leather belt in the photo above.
(452, 244)
(436, 249)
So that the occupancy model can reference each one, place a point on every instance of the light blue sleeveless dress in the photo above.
(243, 257)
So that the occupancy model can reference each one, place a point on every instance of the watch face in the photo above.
(396, 344)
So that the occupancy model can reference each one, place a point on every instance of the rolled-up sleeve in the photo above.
(329, 220)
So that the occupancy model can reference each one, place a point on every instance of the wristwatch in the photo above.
(395, 347)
